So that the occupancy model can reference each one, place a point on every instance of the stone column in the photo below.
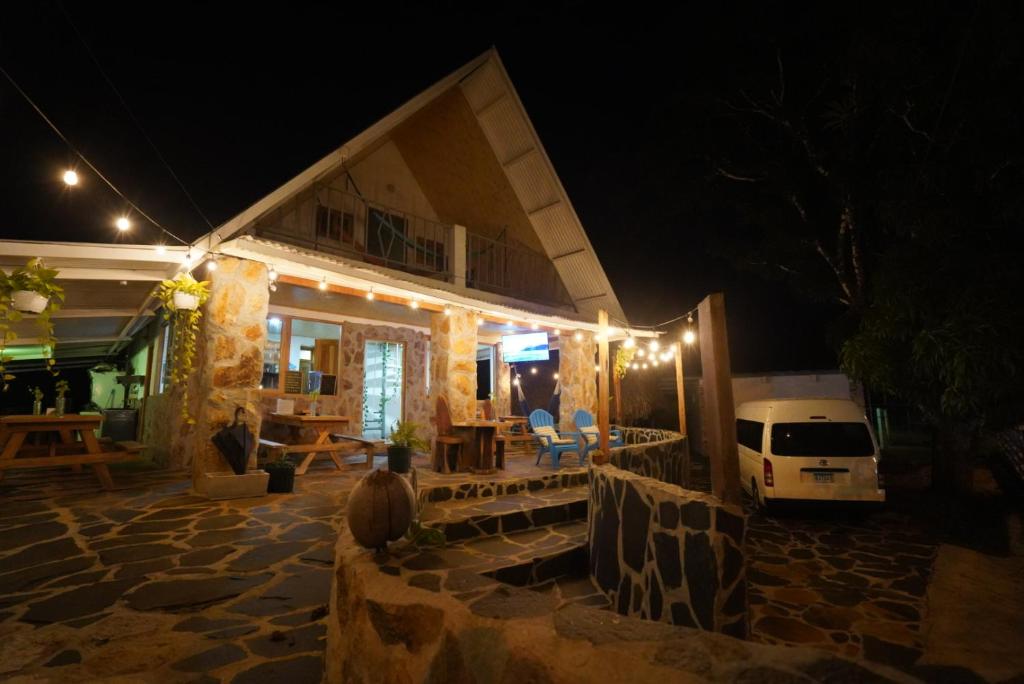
(453, 362)
(503, 379)
(577, 375)
(229, 359)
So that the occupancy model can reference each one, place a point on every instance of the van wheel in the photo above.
(756, 494)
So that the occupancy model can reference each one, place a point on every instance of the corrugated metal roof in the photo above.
(504, 121)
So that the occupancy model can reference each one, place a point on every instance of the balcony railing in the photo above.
(334, 221)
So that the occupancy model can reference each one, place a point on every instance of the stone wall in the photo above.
(453, 362)
(660, 454)
(503, 378)
(576, 359)
(667, 554)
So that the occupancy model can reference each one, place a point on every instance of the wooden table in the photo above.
(65, 450)
(478, 437)
(324, 426)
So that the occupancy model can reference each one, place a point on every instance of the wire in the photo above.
(81, 156)
(131, 114)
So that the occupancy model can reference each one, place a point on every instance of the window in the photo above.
(301, 356)
(750, 434)
(386, 238)
(382, 387)
(430, 253)
(821, 439)
(334, 225)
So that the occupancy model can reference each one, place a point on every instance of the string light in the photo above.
(640, 353)
(323, 284)
(597, 368)
(479, 321)
(654, 345)
(414, 303)
(510, 323)
(555, 376)
(629, 343)
(272, 273)
(672, 349)
(654, 362)
(689, 337)
(123, 224)
(636, 366)
(447, 310)
(188, 258)
(533, 370)
(644, 366)
(535, 326)
(557, 332)
(70, 178)
(370, 295)
(578, 336)
(160, 249)
(612, 331)
(211, 264)
(516, 381)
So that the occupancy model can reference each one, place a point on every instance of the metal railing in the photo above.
(499, 267)
(336, 221)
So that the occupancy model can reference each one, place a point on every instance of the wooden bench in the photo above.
(372, 446)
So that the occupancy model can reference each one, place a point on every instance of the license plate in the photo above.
(823, 477)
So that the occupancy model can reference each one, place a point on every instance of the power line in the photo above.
(85, 160)
(131, 114)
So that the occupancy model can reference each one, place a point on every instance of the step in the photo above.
(527, 557)
(462, 519)
(438, 487)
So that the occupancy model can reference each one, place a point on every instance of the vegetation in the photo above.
(405, 434)
(185, 324)
(62, 387)
(34, 277)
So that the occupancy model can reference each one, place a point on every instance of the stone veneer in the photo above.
(503, 378)
(661, 454)
(229, 359)
(667, 554)
(578, 378)
(453, 362)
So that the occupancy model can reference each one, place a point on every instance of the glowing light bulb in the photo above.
(510, 323)
(654, 362)
(644, 366)
(272, 274)
(447, 311)
(211, 265)
(535, 326)
(689, 337)
(578, 336)
(533, 370)
(188, 258)
(672, 349)
(612, 331)
(636, 366)
(414, 303)
(370, 296)
(70, 177)
(479, 321)
(629, 343)
(597, 368)
(654, 345)
(640, 353)
(323, 284)
(123, 224)
(555, 376)
(161, 250)
(557, 331)
(516, 381)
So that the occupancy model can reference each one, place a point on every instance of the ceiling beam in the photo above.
(131, 274)
(90, 250)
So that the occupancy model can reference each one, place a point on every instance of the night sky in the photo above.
(239, 100)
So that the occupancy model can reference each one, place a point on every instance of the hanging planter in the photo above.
(182, 298)
(31, 289)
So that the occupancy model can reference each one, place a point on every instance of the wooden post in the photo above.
(680, 388)
(602, 386)
(721, 414)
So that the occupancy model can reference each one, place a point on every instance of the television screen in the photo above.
(526, 347)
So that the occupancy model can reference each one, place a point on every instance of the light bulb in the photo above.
(211, 265)
(640, 353)
(629, 343)
(323, 283)
(578, 336)
(161, 250)
(70, 177)
(612, 331)
(555, 376)
(533, 370)
(370, 296)
(672, 348)
(654, 362)
(123, 224)
(535, 326)
(636, 366)
(447, 311)
(479, 321)
(272, 274)
(510, 323)
(516, 381)
(644, 366)
(689, 337)
(654, 345)
(557, 331)
(414, 303)
(597, 368)
(188, 258)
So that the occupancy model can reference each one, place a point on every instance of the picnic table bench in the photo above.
(334, 444)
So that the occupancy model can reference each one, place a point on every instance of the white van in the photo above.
(807, 449)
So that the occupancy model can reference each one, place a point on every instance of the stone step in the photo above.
(437, 487)
(530, 557)
(462, 519)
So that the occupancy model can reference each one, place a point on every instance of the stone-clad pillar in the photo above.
(453, 362)
(577, 375)
(229, 359)
(503, 379)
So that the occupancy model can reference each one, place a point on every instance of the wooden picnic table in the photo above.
(65, 450)
(478, 439)
(325, 426)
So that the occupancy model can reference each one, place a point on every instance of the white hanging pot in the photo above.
(183, 300)
(29, 301)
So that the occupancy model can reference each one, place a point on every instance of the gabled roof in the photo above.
(500, 113)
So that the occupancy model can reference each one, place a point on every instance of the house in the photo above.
(377, 276)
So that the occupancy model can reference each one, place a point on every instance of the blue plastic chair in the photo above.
(584, 419)
(550, 440)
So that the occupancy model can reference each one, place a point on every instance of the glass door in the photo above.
(382, 387)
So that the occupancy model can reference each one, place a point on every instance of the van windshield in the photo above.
(821, 439)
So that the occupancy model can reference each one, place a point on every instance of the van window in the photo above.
(750, 433)
(821, 439)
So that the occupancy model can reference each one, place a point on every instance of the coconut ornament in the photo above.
(381, 508)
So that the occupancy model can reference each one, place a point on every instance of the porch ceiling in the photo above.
(107, 292)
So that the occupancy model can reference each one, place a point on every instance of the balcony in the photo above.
(338, 222)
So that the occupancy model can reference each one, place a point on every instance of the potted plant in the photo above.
(62, 388)
(181, 299)
(404, 439)
(30, 289)
(282, 476)
(37, 401)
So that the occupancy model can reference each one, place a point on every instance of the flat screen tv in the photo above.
(525, 347)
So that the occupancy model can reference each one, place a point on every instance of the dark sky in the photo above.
(239, 99)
